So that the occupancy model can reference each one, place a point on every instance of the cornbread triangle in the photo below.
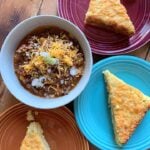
(34, 139)
(128, 106)
(109, 14)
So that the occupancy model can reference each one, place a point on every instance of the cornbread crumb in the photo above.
(128, 106)
(30, 116)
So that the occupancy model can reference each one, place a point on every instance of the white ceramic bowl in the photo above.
(7, 66)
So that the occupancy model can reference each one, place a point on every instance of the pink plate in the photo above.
(105, 42)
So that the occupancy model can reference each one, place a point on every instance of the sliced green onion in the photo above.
(51, 60)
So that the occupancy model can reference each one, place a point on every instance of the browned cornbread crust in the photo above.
(128, 106)
(109, 14)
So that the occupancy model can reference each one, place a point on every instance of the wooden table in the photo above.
(14, 11)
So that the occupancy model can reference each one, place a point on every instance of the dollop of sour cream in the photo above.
(38, 82)
(73, 71)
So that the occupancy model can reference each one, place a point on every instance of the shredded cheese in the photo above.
(58, 49)
(37, 61)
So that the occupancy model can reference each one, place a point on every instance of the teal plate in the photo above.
(91, 107)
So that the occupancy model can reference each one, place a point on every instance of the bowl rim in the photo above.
(66, 98)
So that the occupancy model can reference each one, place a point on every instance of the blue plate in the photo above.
(91, 107)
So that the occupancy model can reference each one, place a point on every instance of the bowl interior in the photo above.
(7, 64)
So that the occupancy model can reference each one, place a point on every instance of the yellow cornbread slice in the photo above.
(128, 106)
(34, 139)
(109, 14)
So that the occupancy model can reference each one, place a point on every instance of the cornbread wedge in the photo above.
(109, 14)
(128, 106)
(34, 139)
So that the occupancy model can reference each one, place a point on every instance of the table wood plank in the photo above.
(148, 55)
(49, 7)
(142, 52)
(14, 11)
(6, 99)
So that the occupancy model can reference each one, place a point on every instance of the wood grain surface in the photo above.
(14, 11)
